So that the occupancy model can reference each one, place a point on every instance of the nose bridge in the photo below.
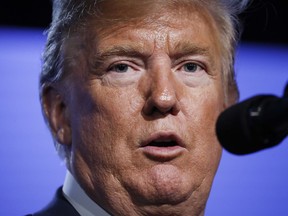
(162, 88)
(163, 92)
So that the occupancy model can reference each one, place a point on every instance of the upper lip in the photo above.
(163, 136)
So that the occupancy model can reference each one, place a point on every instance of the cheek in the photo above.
(204, 108)
(107, 118)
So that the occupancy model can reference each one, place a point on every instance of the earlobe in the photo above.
(56, 112)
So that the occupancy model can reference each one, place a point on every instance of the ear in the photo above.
(56, 112)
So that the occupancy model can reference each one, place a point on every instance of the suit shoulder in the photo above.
(59, 206)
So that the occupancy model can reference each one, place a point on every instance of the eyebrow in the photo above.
(130, 50)
(188, 48)
(137, 51)
(134, 50)
(123, 50)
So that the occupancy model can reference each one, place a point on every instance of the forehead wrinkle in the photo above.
(130, 41)
(133, 45)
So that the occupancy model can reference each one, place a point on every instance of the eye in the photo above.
(191, 67)
(119, 68)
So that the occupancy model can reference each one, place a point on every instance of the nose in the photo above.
(162, 93)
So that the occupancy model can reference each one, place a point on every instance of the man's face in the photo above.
(143, 101)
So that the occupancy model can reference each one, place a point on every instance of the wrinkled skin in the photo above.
(156, 78)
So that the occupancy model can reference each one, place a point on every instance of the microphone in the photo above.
(254, 124)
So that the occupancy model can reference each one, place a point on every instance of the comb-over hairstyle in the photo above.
(70, 15)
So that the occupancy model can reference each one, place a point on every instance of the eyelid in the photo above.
(202, 61)
(131, 64)
(182, 64)
(113, 67)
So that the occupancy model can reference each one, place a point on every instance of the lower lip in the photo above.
(163, 153)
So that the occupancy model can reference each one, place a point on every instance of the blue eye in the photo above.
(119, 68)
(190, 67)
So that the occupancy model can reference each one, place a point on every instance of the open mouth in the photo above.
(163, 143)
(163, 139)
(163, 146)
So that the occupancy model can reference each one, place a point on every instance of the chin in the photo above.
(162, 184)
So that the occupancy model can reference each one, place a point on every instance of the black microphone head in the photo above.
(286, 91)
(247, 127)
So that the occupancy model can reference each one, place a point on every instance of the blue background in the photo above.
(30, 170)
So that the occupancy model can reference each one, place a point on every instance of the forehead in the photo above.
(164, 20)
(176, 27)
(111, 13)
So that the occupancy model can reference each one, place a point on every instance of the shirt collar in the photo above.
(79, 199)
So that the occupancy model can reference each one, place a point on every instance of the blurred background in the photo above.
(30, 169)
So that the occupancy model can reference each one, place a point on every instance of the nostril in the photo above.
(152, 109)
(164, 104)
